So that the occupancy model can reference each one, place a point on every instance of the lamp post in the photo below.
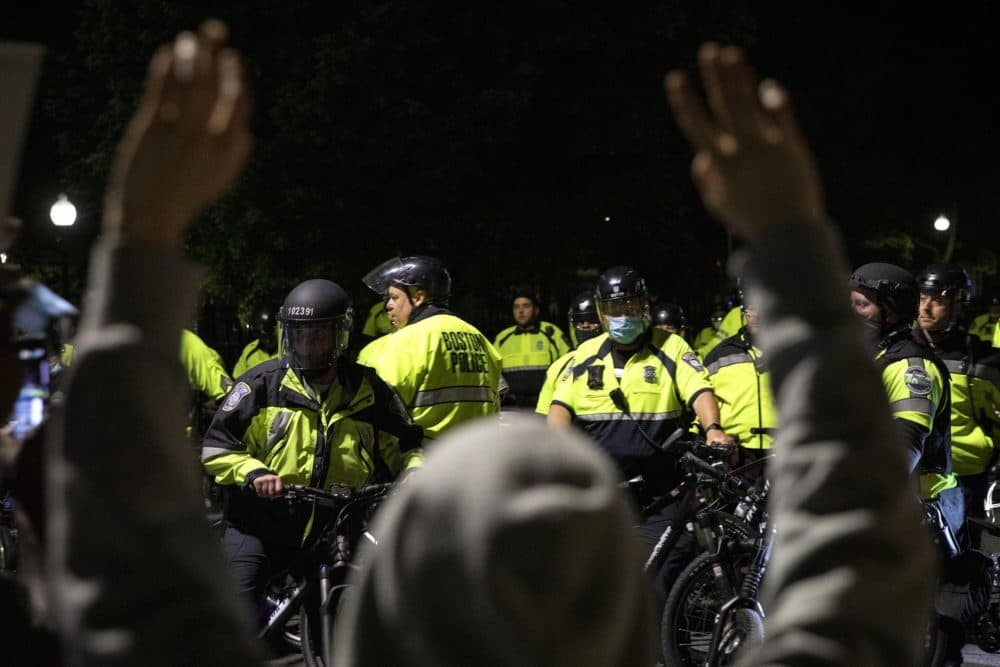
(944, 224)
(63, 215)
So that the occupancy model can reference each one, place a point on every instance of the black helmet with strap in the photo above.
(317, 316)
(892, 288)
(669, 314)
(421, 271)
(946, 280)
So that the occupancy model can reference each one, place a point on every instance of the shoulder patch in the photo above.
(917, 381)
(692, 360)
(236, 395)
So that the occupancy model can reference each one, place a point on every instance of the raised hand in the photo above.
(751, 165)
(186, 143)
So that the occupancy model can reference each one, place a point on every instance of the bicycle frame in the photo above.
(322, 567)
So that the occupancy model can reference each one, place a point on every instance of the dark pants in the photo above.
(974, 488)
(650, 529)
(953, 507)
(253, 562)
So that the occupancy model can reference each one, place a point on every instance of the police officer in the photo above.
(984, 326)
(731, 322)
(205, 370)
(311, 417)
(209, 380)
(670, 317)
(632, 383)
(583, 325)
(742, 386)
(707, 334)
(945, 291)
(443, 368)
(884, 297)
(264, 347)
(377, 324)
(528, 348)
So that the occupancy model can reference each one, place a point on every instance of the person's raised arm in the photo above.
(850, 577)
(137, 575)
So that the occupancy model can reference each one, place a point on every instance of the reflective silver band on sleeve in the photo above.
(921, 405)
(211, 452)
(452, 395)
(727, 360)
(639, 416)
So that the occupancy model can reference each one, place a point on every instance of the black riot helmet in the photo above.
(892, 287)
(583, 309)
(621, 291)
(670, 315)
(620, 282)
(317, 317)
(583, 320)
(421, 271)
(265, 323)
(946, 280)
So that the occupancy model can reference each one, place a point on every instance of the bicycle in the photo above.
(712, 609)
(720, 508)
(314, 584)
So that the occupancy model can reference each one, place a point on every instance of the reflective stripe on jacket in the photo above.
(916, 383)
(527, 355)
(443, 368)
(742, 386)
(659, 381)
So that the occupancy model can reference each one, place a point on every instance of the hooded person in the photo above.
(513, 546)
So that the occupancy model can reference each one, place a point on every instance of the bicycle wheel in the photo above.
(690, 614)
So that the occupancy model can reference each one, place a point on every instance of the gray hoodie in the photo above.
(512, 546)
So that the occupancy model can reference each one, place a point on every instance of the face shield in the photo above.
(624, 319)
(390, 272)
(314, 346)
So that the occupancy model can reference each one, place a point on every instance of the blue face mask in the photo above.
(626, 329)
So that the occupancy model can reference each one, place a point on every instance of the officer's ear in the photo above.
(418, 296)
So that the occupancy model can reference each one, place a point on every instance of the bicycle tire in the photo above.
(689, 615)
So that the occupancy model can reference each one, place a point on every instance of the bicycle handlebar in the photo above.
(337, 496)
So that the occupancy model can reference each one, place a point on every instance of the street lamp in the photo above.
(63, 214)
(943, 224)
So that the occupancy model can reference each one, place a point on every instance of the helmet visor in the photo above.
(315, 346)
(383, 276)
(636, 306)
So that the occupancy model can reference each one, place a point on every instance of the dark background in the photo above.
(500, 138)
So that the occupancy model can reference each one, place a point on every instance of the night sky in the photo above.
(897, 105)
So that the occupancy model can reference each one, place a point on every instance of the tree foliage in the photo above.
(496, 137)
